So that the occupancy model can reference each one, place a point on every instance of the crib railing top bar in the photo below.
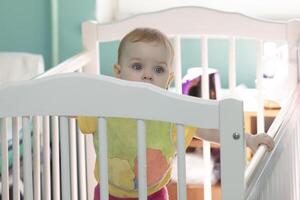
(196, 20)
(104, 96)
(282, 117)
(199, 9)
(70, 65)
(200, 36)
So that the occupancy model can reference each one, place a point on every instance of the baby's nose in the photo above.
(147, 75)
(145, 78)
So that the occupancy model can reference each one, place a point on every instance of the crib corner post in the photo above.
(232, 142)
(293, 38)
(90, 44)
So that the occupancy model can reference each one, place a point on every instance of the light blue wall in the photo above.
(25, 27)
(108, 56)
(71, 15)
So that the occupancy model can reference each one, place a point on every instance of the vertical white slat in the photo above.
(298, 63)
(232, 149)
(293, 158)
(142, 158)
(27, 160)
(46, 159)
(102, 151)
(204, 63)
(73, 159)
(36, 158)
(16, 158)
(297, 160)
(90, 43)
(181, 187)
(81, 165)
(4, 160)
(55, 158)
(177, 64)
(90, 164)
(232, 65)
(293, 38)
(65, 158)
(205, 95)
(259, 79)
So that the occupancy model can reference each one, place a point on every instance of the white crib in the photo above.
(48, 100)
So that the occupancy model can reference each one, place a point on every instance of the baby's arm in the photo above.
(252, 141)
(87, 124)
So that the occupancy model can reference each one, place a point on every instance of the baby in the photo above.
(146, 55)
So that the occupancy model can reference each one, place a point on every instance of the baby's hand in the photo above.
(253, 141)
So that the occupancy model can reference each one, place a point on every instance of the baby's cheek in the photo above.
(157, 166)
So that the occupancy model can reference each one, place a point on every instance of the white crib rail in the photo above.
(55, 157)
(194, 21)
(72, 64)
(4, 156)
(205, 95)
(103, 157)
(273, 131)
(73, 159)
(276, 176)
(189, 110)
(16, 161)
(27, 159)
(36, 154)
(46, 182)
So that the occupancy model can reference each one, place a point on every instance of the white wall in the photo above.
(271, 9)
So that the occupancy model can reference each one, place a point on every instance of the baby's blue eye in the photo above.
(159, 69)
(136, 66)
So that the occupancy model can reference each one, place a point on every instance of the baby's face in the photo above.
(145, 62)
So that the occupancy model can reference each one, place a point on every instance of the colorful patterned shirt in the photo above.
(122, 153)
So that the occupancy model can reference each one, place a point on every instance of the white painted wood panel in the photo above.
(46, 184)
(27, 160)
(55, 158)
(142, 159)
(181, 186)
(65, 158)
(36, 158)
(232, 150)
(102, 152)
(4, 158)
(16, 162)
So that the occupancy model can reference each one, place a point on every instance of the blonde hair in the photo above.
(146, 35)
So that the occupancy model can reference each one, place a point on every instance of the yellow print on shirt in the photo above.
(121, 173)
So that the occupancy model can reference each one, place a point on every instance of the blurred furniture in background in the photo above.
(191, 83)
(19, 66)
(271, 110)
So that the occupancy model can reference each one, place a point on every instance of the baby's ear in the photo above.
(117, 70)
